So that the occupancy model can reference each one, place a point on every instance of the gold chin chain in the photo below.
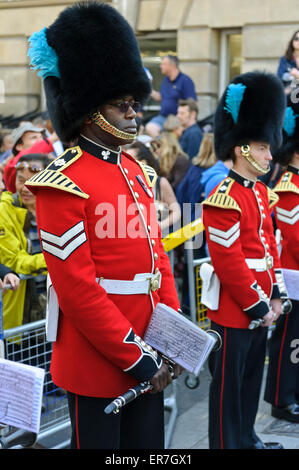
(245, 150)
(99, 119)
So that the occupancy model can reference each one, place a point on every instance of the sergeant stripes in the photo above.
(70, 240)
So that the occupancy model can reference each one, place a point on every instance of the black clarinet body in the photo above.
(144, 387)
(127, 397)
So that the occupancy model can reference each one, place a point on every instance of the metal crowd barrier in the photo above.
(170, 404)
(197, 309)
(19, 437)
(27, 344)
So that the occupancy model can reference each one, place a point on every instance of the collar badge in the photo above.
(105, 154)
(60, 162)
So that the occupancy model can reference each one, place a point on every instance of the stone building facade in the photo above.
(214, 40)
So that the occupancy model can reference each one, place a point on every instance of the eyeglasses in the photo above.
(124, 106)
(296, 38)
(30, 166)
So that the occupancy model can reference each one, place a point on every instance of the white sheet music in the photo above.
(178, 338)
(21, 389)
(291, 280)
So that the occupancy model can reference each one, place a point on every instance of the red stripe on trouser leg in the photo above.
(221, 391)
(279, 360)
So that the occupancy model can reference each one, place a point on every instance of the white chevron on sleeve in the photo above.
(225, 238)
(65, 237)
(72, 239)
(289, 217)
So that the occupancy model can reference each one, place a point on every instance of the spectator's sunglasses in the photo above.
(124, 106)
(28, 166)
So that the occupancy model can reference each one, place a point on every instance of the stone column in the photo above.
(129, 9)
(198, 52)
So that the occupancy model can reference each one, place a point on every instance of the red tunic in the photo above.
(287, 217)
(238, 224)
(97, 219)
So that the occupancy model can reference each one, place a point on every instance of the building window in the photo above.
(153, 48)
(230, 60)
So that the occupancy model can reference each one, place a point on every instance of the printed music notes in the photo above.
(21, 389)
(178, 338)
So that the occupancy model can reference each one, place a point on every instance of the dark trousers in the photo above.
(282, 384)
(237, 372)
(138, 425)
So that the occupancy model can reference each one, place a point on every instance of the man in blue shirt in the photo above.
(175, 86)
(191, 137)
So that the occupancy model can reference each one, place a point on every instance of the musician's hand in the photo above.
(276, 305)
(161, 379)
(177, 370)
(268, 319)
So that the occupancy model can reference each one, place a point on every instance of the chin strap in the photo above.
(99, 119)
(245, 150)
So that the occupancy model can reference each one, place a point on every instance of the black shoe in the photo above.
(266, 445)
(289, 412)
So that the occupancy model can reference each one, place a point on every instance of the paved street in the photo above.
(191, 427)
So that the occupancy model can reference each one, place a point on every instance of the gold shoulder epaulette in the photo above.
(53, 177)
(221, 197)
(285, 184)
(149, 174)
(273, 197)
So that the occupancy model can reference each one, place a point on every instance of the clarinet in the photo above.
(127, 397)
(286, 308)
(135, 392)
(144, 387)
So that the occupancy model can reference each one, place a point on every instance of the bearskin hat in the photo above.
(290, 133)
(251, 109)
(88, 56)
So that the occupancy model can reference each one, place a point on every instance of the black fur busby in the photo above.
(251, 109)
(290, 132)
(87, 57)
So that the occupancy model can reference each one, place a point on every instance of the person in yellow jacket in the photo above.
(16, 214)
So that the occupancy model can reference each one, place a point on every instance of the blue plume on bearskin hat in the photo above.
(43, 58)
(251, 109)
(233, 99)
(289, 124)
(88, 56)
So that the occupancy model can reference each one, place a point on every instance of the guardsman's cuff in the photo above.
(275, 292)
(148, 363)
(260, 308)
(279, 287)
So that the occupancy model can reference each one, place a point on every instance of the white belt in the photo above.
(260, 264)
(142, 283)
